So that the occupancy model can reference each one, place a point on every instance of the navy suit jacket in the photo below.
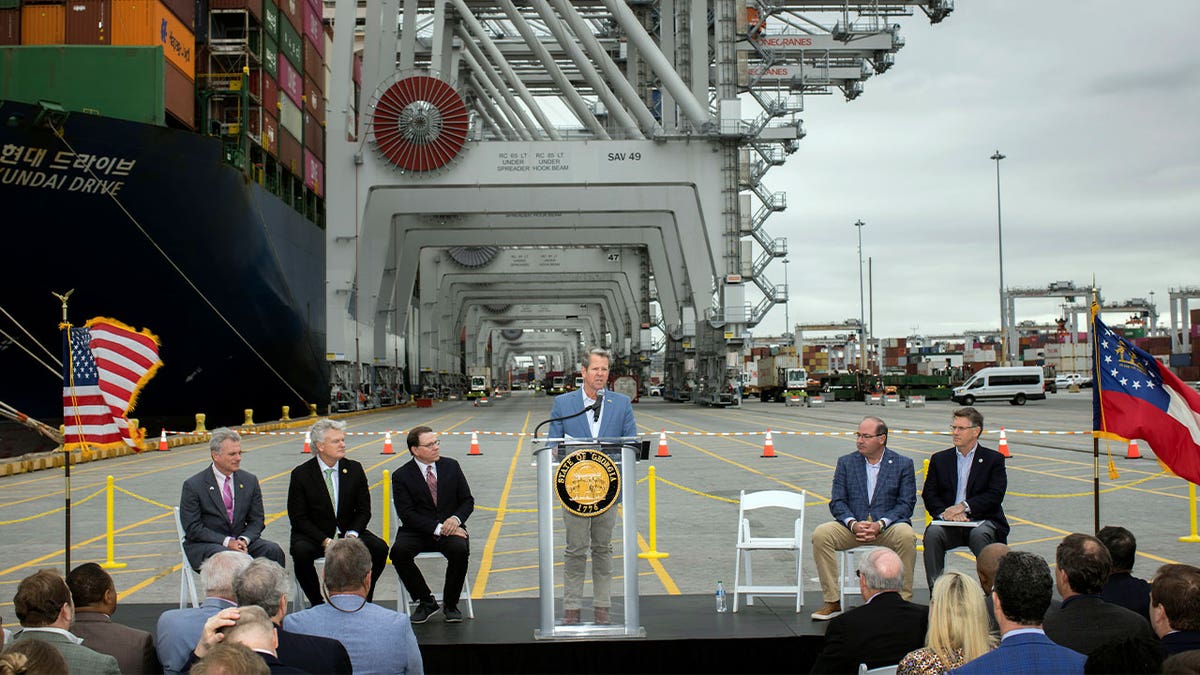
(179, 630)
(202, 512)
(878, 634)
(895, 489)
(986, 484)
(1084, 622)
(1180, 641)
(414, 504)
(1128, 591)
(1024, 653)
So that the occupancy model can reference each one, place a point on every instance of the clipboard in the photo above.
(955, 523)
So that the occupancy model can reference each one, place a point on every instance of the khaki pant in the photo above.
(584, 534)
(831, 537)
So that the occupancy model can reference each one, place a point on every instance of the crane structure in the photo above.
(1181, 324)
(582, 171)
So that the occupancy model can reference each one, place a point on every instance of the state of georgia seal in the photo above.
(587, 482)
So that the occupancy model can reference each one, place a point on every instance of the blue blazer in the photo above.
(1026, 653)
(616, 416)
(179, 631)
(380, 641)
(895, 490)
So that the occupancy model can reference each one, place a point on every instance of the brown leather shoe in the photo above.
(602, 615)
(570, 617)
(827, 611)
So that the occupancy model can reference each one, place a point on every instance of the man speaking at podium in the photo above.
(605, 415)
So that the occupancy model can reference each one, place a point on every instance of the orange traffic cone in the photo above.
(474, 444)
(162, 440)
(387, 444)
(662, 444)
(768, 446)
(1004, 443)
(1133, 452)
(307, 444)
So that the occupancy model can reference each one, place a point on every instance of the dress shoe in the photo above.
(602, 615)
(453, 615)
(426, 609)
(827, 611)
(570, 617)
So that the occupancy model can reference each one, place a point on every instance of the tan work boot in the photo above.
(602, 615)
(827, 611)
(570, 617)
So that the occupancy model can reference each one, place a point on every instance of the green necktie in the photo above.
(329, 485)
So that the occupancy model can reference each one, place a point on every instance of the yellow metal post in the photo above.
(109, 563)
(1194, 537)
(653, 553)
(928, 518)
(387, 511)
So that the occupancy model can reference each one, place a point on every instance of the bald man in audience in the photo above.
(985, 567)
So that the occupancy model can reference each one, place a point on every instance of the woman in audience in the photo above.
(958, 627)
(31, 657)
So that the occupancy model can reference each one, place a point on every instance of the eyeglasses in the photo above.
(434, 444)
(956, 428)
(867, 437)
(858, 573)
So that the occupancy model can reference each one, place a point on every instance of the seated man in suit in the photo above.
(179, 629)
(44, 608)
(329, 497)
(221, 507)
(874, 492)
(880, 632)
(966, 484)
(611, 416)
(377, 639)
(95, 598)
(1175, 607)
(1084, 621)
(1022, 593)
(1122, 588)
(433, 502)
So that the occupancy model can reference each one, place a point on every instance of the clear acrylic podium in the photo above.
(549, 508)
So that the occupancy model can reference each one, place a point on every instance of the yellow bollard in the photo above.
(928, 518)
(284, 417)
(653, 553)
(249, 417)
(200, 417)
(387, 511)
(1194, 536)
(312, 409)
(109, 564)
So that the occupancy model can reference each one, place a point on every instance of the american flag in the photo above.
(109, 363)
(1136, 396)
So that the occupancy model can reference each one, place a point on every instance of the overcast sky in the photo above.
(1096, 106)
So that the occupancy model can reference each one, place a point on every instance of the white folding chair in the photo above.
(466, 592)
(187, 578)
(746, 543)
(881, 670)
(847, 578)
(299, 599)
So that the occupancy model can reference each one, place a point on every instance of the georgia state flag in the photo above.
(1135, 396)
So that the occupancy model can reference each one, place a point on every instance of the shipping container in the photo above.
(315, 4)
(314, 99)
(291, 13)
(270, 20)
(291, 153)
(313, 29)
(290, 81)
(314, 64)
(270, 95)
(254, 7)
(150, 22)
(314, 173)
(42, 24)
(179, 95)
(10, 4)
(291, 45)
(264, 132)
(314, 137)
(88, 22)
(270, 56)
(291, 117)
(185, 11)
(10, 26)
(122, 82)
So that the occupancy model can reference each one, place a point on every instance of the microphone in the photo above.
(596, 405)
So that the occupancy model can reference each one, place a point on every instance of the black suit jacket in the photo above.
(1084, 622)
(1126, 590)
(414, 504)
(879, 633)
(310, 510)
(986, 484)
(1180, 641)
(311, 653)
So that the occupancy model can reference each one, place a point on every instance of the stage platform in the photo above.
(684, 634)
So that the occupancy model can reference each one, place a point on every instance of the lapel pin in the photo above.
(344, 471)
(211, 487)
(241, 487)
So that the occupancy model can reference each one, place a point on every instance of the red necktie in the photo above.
(431, 481)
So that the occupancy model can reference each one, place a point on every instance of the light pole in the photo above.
(862, 326)
(1000, 245)
(787, 299)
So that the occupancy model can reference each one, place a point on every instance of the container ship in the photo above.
(164, 159)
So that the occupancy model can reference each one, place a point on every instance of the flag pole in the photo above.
(1094, 310)
(67, 461)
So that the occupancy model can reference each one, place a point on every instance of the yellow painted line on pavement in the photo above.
(659, 571)
(59, 552)
(489, 548)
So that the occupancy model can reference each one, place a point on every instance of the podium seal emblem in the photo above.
(587, 482)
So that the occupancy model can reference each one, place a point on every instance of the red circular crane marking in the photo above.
(420, 123)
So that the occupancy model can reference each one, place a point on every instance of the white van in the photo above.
(1015, 384)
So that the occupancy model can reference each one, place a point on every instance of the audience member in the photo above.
(230, 659)
(221, 507)
(985, 567)
(1182, 663)
(1122, 588)
(965, 484)
(247, 626)
(264, 584)
(32, 657)
(379, 640)
(958, 627)
(179, 629)
(95, 598)
(1022, 592)
(1125, 657)
(880, 632)
(1084, 621)
(874, 492)
(433, 502)
(1175, 607)
(44, 608)
(329, 497)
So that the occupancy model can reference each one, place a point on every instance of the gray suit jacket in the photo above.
(79, 659)
(202, 512)
(179, 630)
(133, 648)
